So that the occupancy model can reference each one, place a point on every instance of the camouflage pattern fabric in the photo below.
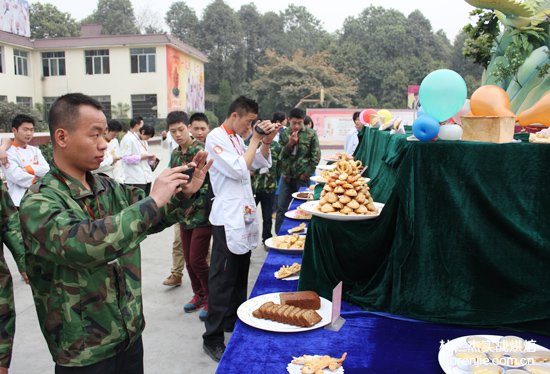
(83, 261)
(11, 236)
(197, 214)
(267, 182)
(307, 157)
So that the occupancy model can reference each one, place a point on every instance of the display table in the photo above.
(464, 237)
(375, 344)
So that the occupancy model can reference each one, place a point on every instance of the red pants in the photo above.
(195, 243)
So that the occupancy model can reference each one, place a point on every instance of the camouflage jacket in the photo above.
(267, 182)
(11, 236)
(306, 157)
(197, 214)
(84, 264)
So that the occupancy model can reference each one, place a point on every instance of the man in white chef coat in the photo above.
(233, 215)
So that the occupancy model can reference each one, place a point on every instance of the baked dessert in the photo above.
(316, 364)
(293, 241)
(487, 369)
(511, 344)
(301, 227)
(537, 357)
(508, 359)
(538, 369)
(287, 271)
(301, 299)
(287, 314)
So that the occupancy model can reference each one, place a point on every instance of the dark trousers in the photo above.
(129, 361)
(285, 195)
(145, 187)
(266, 199)
(195, 243)
(227, 287)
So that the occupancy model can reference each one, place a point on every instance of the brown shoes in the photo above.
(173, 280)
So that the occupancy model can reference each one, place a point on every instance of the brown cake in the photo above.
(288, 314)
(301, 299)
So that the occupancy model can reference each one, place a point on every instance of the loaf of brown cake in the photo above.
(288, 314)
(301, 299)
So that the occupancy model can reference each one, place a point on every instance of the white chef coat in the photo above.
(169, 142)
(351, 141)
(18, 178)
(234, 206)
(141, 172)
(107, 167)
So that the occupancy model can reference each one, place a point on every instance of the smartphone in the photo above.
(259, 130)
(189, 172)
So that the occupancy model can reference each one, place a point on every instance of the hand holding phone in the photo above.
(189, 172)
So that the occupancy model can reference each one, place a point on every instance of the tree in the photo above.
(9, 110)
(225, 97)
(120, 110)
(283, 82)
(149, 21)
(460, 63)
(394, 90)
(252, 28)
(116, 17)
(183, 23)
(221, 38)
(49, 22)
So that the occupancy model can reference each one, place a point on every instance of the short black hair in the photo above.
(147, 130)
(308, 120)
(199, 117)
(19, 119)
(278, 117)
(356, 115)
(65, 111)
(114, 125)
(135, 121)
(243, 105)
(296, 113)
(176, 117)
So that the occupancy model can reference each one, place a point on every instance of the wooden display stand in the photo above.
(488, 129)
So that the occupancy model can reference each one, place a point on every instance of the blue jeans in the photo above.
(285, 196)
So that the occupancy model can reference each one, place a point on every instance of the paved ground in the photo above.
(172, 338)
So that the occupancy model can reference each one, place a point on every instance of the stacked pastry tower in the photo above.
(346, 191)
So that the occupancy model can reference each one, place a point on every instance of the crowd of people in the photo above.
(82, 218)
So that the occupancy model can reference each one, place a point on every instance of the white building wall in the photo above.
(12, 85)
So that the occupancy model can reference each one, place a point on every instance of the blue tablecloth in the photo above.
(376, 343)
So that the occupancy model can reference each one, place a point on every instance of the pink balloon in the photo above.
(462, 112)
(365, 116)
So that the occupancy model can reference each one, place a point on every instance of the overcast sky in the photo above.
(449, 15)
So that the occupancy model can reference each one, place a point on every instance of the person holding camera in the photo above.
(233, 215)
(195, 230)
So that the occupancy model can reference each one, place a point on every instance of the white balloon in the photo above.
(450, 132)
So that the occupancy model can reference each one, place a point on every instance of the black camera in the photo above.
(190, 173)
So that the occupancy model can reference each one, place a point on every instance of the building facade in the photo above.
(150, 74)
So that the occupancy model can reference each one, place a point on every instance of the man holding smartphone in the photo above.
(233, 215)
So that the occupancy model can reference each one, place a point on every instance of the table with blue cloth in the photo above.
(375, 342)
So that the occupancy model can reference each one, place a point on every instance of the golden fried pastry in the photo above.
(347, 186)
(323, 201)
(327, 208)
(339, 190)
(343, 177)
(337, 205)
(371, 207)
(331, 197)
(344, 199)
(361, 210)
(353, 204)
(339, 182)
(351, 193)
(287, 271)
(301, 227)
(360, 198)
(332, 184)
(316, 364)
(346, 210)
(328, 188)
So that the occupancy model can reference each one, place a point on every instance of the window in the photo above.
(142, 60)
(48, 102)
(3, 99)
(97, 61)
(1, 59)
(20, 62)
(144, 105)
(24, 100)
(105, 102)
(53, 63)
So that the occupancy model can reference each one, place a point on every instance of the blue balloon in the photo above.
(442, 94)
(425, 128)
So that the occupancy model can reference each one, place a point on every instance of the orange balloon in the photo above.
(490, 101)
(538, 113)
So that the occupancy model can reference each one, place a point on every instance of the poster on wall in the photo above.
(185, 82)
(14, 17)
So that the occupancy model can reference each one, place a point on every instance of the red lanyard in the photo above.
(240, 149)
(90, 211)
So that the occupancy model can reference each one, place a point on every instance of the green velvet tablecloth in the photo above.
(464, 237)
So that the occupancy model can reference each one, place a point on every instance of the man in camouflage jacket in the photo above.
(82, 235)
(299, 157)
(11, 236)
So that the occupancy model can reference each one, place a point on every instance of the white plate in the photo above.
(446, 352)
(326, 167)
(245, 314)
(333, 157)
(291, 278)
(317, 179)
(297, 369)
(311, 207)
(296, 196)
(293, 214)
(269, 243)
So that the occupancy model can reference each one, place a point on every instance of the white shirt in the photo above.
(234, 206)
(351, 141)
(107, 167)
(20, 179)
(169, 142)
(141, 172)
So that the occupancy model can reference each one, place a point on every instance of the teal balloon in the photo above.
(426, 128)
(442, 94)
